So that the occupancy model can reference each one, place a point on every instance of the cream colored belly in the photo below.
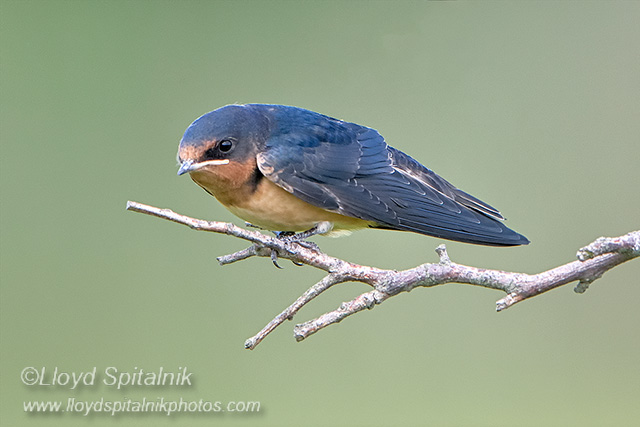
(273, 208)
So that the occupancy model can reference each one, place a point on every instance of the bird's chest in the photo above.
(259, 201)
(273, 208)
(256, 199)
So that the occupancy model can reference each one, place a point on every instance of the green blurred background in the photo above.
(533, 107)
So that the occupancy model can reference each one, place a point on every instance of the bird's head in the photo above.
(233, 134)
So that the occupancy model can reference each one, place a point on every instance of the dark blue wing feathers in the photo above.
(349, 169)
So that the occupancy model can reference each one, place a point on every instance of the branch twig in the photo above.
(593, 261)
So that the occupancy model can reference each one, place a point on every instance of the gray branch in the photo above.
(593, 261)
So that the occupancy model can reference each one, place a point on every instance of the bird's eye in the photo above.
(225, 145)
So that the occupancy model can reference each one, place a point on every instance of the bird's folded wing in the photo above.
(349, 169)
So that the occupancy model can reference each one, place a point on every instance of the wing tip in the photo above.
(505, 237)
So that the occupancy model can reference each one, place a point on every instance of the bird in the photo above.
(297, 172)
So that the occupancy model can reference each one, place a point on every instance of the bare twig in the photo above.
(593, 261)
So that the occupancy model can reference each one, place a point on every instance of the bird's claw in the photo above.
(274, 258)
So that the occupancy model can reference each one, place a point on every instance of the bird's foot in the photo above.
(282, 235)
(299, 238)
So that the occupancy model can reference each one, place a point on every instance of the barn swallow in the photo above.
(289, 169)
